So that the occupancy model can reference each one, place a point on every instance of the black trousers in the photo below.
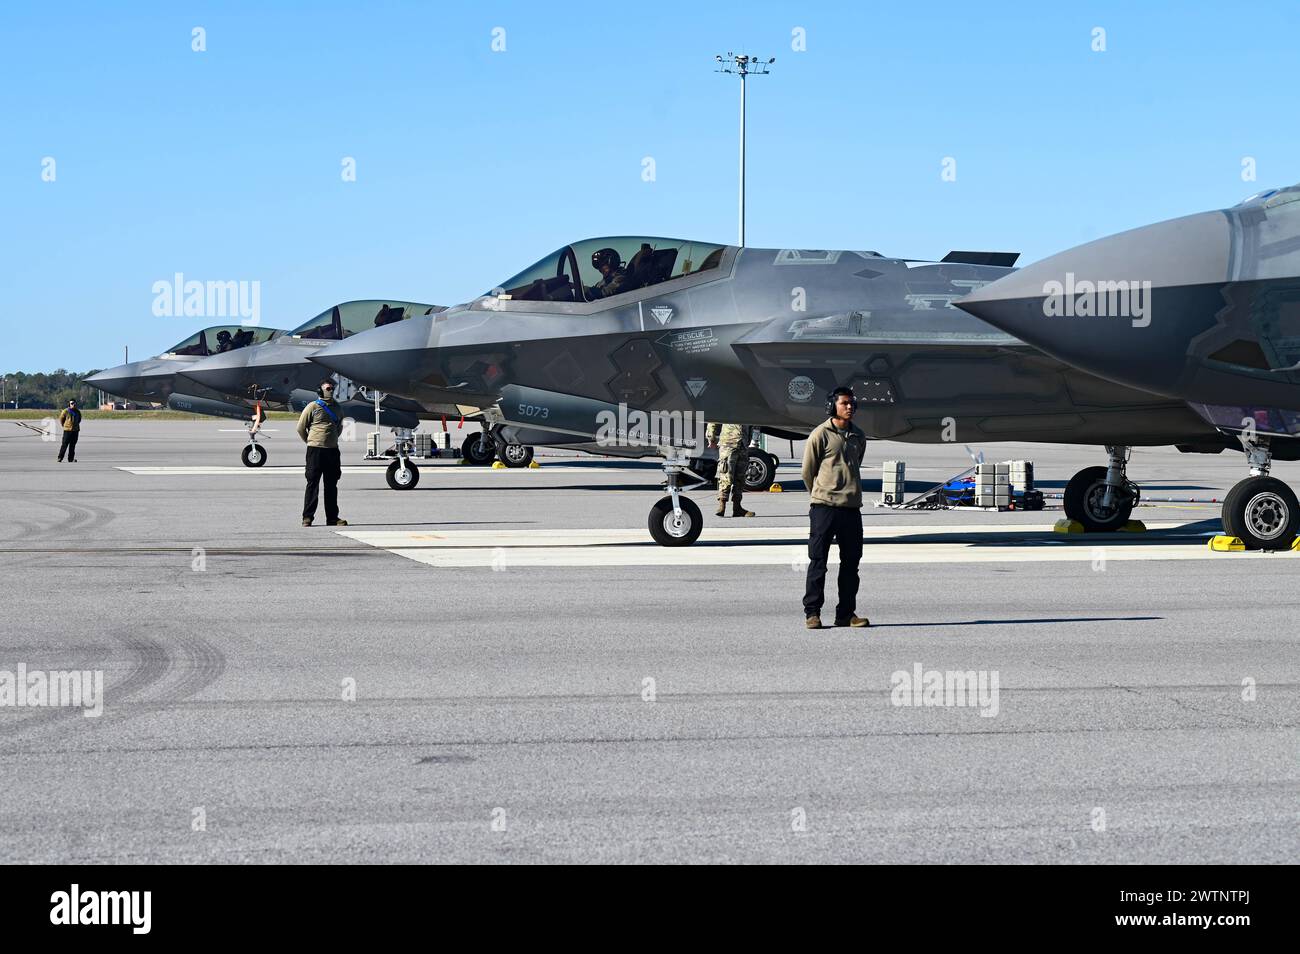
(323, 462)
(827, 524)
(69, 445)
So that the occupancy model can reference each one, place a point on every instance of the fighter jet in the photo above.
(165, 379)
(758, 336)
(279, 371)
(157, 380)
(1204, 308)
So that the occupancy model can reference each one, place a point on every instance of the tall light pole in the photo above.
(743, 65)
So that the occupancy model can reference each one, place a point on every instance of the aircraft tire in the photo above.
(471, 451)
(253, 455)
(516, 455)
(761, 471)
(402, 479)
(1263, 513)
(1083, 496)
(667, 532)
(1229, 508)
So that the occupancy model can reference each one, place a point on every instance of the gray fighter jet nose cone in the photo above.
(115, 380)
(139, 380)
(1124, 307)
(387, 358)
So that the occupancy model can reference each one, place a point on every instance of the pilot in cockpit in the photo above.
(613, 274)
(223, 341)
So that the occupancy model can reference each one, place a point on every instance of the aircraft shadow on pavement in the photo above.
(1014, 622)
(998, 537)
(433, 524)
(602, 463)
(520, 487)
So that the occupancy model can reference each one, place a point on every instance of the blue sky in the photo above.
(470, 164)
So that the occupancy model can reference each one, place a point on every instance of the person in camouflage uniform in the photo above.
(732, 442)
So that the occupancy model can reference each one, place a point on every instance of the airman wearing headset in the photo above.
(319, 425)
(832, 458)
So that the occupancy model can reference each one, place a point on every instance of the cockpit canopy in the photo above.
(1272, 198)
(222, 338)
(604, 267)
(351, 317)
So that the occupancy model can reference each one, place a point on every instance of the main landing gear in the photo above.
(515, 455)
(1103, 498)
(760, 472)
(479, 449)
(489, 445)
(675, 521)
(1261, 511)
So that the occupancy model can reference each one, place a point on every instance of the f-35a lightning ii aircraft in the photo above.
(758, 336)
(280, 371)
(1205, 309)
(163, 380)
(156, 380)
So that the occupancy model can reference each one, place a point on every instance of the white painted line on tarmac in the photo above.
(753, 546)
(426, 470)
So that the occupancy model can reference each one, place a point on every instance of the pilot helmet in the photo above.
(605, 257)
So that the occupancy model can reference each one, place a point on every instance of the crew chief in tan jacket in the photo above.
(319, 426)
(832, 458)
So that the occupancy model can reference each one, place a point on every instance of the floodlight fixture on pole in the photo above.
(743, 65)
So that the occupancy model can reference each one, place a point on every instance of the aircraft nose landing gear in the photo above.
(254, 454)
(1261, 511)
(675, 521)
(402, 474)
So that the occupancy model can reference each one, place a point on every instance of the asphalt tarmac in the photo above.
(500, 666)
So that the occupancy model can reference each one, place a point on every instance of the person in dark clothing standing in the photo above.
(319, 425)
(70, 421)
(832, 459)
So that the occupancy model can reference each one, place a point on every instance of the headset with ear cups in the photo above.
(320, 388)
(831, 395)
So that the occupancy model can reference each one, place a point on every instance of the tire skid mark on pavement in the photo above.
(149, 661)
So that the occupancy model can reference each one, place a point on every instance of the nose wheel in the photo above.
(402, 474)
(675, 528)
(675, 520)
(253, 455)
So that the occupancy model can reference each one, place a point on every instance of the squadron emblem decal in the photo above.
(801, 389)
(661, 313)
(696, 386)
